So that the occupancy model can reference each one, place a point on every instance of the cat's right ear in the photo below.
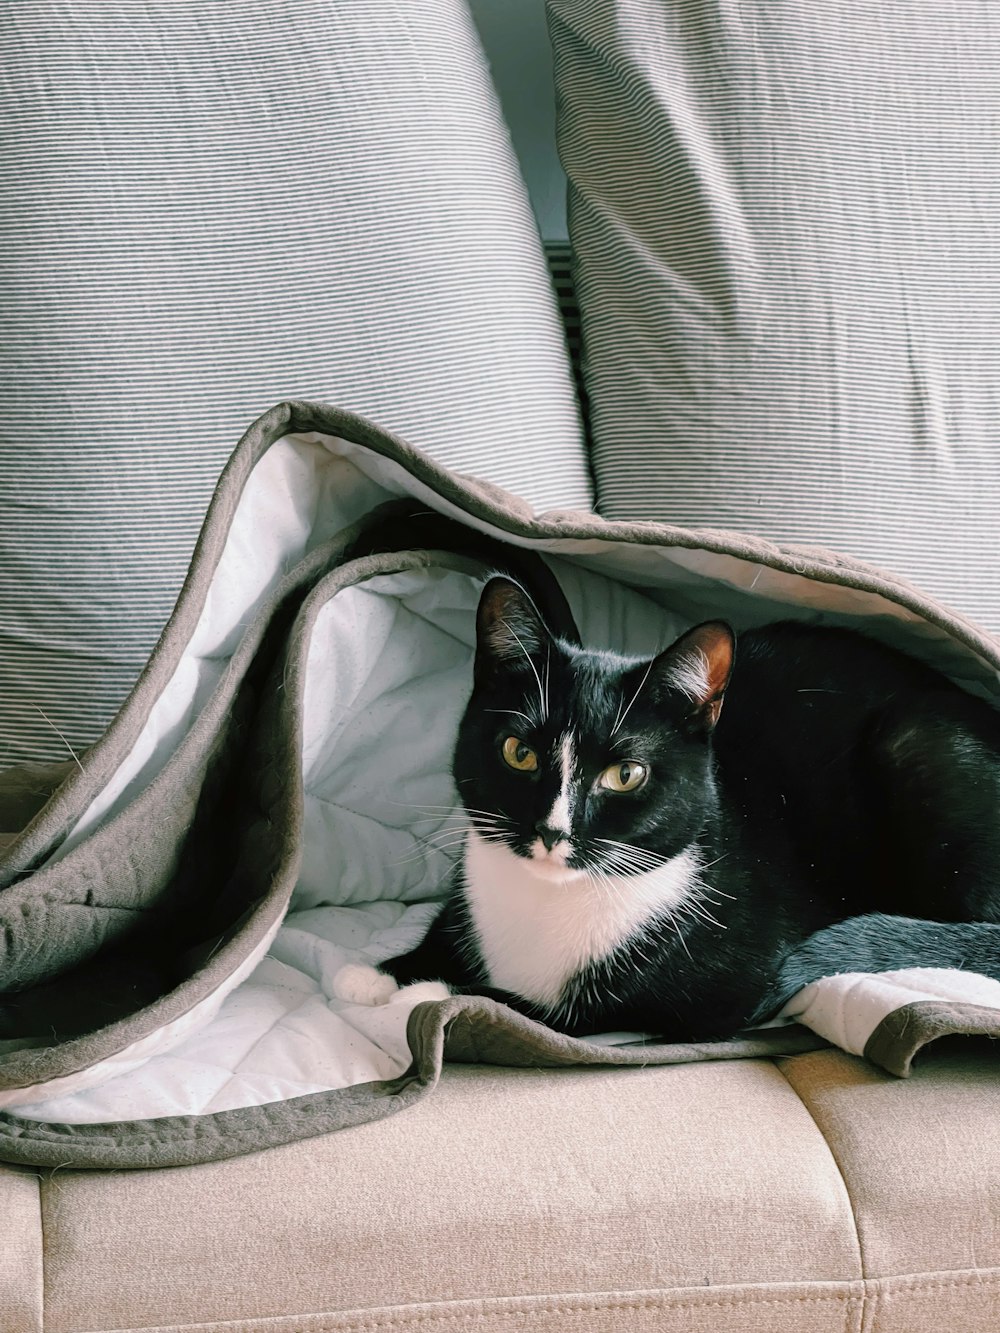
(508, 626)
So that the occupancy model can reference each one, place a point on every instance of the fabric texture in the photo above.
(267, 805)
(871, 1125)
(488, 1167)
(890, 1016)
(22, 1253)
(209, 207)
(736, 1198)
(786, 229)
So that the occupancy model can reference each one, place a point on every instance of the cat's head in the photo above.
(582, 760)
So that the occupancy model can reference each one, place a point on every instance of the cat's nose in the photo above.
(549, 835)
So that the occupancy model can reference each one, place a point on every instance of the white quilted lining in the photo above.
(389, 669)
(846, 1009)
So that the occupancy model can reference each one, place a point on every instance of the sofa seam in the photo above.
(862, 1257)
(43, 1268)
(847, 1298)
(914, 1281)
(850, 1293)
(856, 1294)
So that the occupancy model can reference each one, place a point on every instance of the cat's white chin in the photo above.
(552, 870)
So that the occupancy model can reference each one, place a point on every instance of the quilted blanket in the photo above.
(273, 801)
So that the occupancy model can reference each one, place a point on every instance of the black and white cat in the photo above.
(677, 845)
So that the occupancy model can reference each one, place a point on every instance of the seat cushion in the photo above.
(21, 1253)
(787, 252)
(208, 208)
(689, 1198)
(922, 1167)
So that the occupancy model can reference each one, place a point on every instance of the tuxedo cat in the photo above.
(677, 845)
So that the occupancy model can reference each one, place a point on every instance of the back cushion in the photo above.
(206, 208)
(786, 224)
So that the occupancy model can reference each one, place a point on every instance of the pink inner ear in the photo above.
(713, 643)
(507, 622)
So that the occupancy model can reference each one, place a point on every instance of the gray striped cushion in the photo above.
(207, 207)
(786, 224)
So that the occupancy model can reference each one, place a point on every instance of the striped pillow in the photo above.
(208, 207)
(786, 225)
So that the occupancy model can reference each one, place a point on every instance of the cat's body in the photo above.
(655, 845)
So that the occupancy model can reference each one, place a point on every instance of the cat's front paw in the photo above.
(360, 983)
(419, 991)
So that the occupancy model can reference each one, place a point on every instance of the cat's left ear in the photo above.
(508, 626)
(698, 667)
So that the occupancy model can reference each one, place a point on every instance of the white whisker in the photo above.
(709, 892)
(430, 819)
(635, 856)
(534, 669)
(674, 922)
(423, 854)
(512, 712)
(442, 811)
(422, 849)
(421, 805)
(697, 909)
(622, 716)
(632, 860)
(600, 881)
(447, 837)
(429, 846)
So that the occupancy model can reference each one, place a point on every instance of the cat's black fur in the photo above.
(843, 798)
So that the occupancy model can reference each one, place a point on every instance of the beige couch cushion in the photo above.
(691, 1198)
(505, 1184)
(20, 1250)
(921, 1158)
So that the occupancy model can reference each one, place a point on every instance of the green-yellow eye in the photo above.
(623, 777)
(519, 756)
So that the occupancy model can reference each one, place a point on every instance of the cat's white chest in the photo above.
(534, 932)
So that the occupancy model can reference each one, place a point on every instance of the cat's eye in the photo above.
(627, 776)
(519, 756)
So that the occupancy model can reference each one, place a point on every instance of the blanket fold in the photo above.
(274, 800)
